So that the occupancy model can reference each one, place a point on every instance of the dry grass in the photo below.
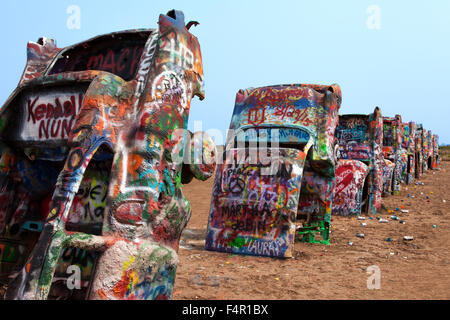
(444, 153)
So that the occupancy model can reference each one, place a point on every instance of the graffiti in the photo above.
(104, 53)
(124, 62)
(419, 151)
(117, 192)
(388, 171)
(352, 150)
(11, 254)
(39, 55)
(408, 131)
(388, 135)
(392, 150)
(51, 116)
(182, 56)
(360, 138)
(88, 206)
(154, 284)
(352, 129)
(277, 105)
(256, 115)
(168, 88)
(297, 116)
(85, 260)
(428, 150)
(261, 247)
(248, 205)
(348, 193)
(254, 212)
(435, 152)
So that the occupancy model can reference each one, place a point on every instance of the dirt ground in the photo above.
(417, 269)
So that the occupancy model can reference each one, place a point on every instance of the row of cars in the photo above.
(94, 152)
(327, 165)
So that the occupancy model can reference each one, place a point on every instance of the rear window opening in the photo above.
(119, 54)
(388, 135)
(288, 138)
(352, 129)
(268, 144)
(262, 147)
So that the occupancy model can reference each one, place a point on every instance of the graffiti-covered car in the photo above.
(392, 152)
(279, 154)
(359, 172)
(408, 130)
(427, 150)
(419, 138)
(436, 157)
(93, 143)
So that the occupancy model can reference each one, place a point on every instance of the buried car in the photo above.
(428, 150)
(392, 151)
(359, 172)
(419, 141)
(279, 155)
(92, 144)
(436, 157)
(408, 145)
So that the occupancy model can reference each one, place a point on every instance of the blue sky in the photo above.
(403, 67)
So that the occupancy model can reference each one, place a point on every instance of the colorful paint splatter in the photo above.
(359, 173)
(93, 148)
(279, 165)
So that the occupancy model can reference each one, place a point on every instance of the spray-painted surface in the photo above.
(424, 149)
(419, 150)
(436, 157)
(11, 253)
(428, 150)
(392, 150)
(348, 193)
(388, 171)
(408, 145)
(360, 138)
(88, 207)
(254, 211)
(275, 134)
(120, 101)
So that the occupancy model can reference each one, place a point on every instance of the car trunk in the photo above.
(255, 202)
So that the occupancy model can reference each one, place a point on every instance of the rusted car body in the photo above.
(359, 172)
(409, 155)
(278, 165)
(393, 151)
(93, 143)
